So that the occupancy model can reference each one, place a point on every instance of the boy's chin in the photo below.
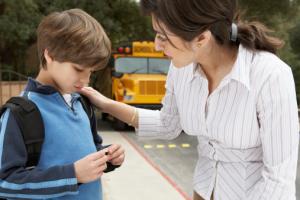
(70, 91)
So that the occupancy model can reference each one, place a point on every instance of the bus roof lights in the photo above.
(120, 50)
(127, 49)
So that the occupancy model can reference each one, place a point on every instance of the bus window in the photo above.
(134, 65)
(158, 65)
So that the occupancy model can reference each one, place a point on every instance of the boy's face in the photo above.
(66, 77)
(69, 77)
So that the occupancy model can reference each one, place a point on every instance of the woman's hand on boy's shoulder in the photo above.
(116, 154)
(96, 98)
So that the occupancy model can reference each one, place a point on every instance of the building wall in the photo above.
(9, 89)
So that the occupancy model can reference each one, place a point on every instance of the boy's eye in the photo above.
(78, 70)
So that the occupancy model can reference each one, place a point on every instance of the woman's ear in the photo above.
(48, 58)
(203, 38)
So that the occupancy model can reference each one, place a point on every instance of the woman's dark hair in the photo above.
(189, 18)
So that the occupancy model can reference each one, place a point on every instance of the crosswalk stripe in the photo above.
(185, 145)
(146, 146)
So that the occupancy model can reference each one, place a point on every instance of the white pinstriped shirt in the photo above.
(247, 128)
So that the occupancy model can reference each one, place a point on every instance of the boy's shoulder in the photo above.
(27, 115)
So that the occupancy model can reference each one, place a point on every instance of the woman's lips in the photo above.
(170, 57)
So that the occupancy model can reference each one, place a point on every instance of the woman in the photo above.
(226, 86)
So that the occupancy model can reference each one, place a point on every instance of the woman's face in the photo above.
(181, 52)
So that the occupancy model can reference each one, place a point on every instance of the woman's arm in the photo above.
(279, 130)
(163, 124)
(122, 111)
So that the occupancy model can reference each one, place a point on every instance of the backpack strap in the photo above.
(31, 124)
(89, 109)
(87, 106)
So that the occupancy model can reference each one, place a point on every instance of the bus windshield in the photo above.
(137, 65)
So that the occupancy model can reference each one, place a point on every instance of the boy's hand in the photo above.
(116, 154)
(90, 167)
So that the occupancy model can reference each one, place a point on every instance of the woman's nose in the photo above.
(159, 46)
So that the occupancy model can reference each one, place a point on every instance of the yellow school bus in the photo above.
(139, 76)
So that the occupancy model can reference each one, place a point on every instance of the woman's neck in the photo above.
(219, 62)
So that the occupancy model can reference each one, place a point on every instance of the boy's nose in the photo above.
(85, 80)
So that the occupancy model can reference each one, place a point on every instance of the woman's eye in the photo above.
(161, 38)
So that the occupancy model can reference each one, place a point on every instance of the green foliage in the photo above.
(120, 18)
(295, 38)
(267, 9)
(17, 29)
(19, 19)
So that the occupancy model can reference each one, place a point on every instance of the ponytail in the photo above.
(255, 36)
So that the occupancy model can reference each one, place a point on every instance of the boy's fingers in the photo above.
(118, 153)
(112, 148)
(119, 160)
(98, 154)
(101, 161)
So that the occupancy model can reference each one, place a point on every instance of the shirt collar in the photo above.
(240, 71)
(35, 86)
(242, 66)
(194, 71)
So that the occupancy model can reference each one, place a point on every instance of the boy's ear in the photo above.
(48, 58)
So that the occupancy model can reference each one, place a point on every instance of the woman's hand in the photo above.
(122, 111)
(96, 98)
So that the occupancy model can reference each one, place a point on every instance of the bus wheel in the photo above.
(118, 125)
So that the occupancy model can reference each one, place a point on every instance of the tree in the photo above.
(17, 31)
(295, 38)
(19, 19)
(295, 45)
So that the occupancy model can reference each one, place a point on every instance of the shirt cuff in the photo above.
(149, 121)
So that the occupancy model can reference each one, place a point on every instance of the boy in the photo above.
(71, 45)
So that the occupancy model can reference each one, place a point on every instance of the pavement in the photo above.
(138, 178)
(141, 179)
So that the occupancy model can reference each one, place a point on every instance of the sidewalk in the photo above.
(138, 178)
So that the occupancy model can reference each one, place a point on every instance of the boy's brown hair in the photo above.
(73, 36)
